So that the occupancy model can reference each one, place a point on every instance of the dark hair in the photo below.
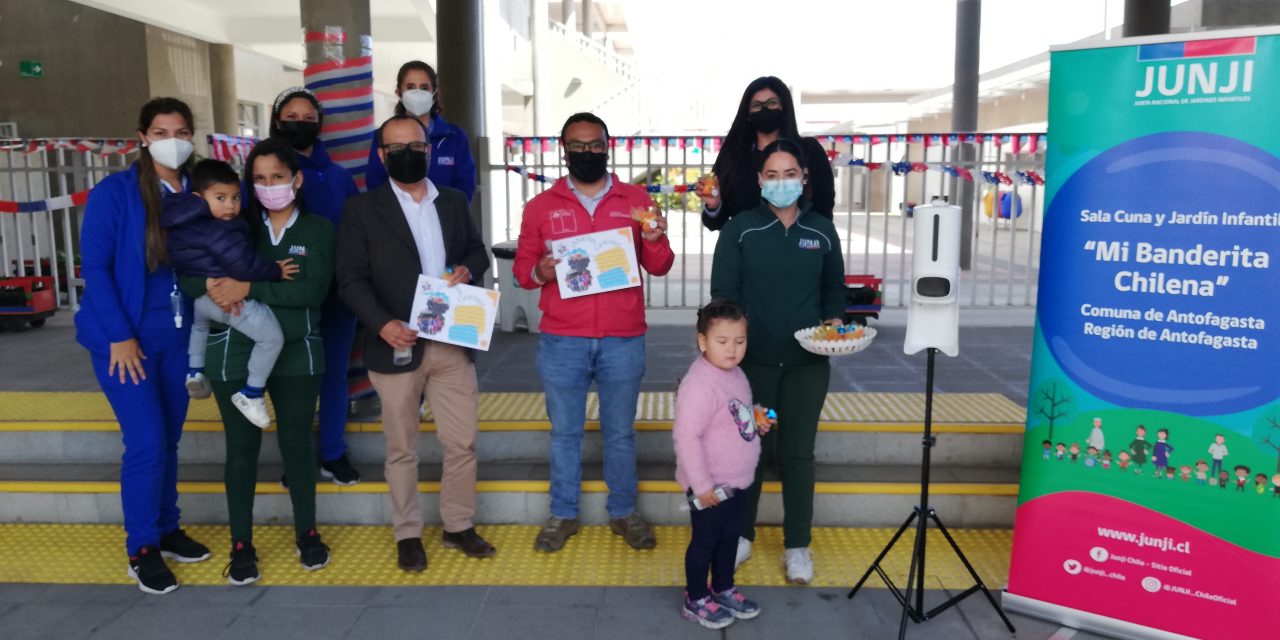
(782, 145)
(149, 181)
(418, 65)
(788, 146)
(583, 116)
(209, 172)
(719, 309)
(1242, 467)
(399, 117)
(735, 153)
(1048, 442)
(283, 151)
(273, 127)
(1164, 431)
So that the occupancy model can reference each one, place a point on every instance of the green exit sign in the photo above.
(31, 69)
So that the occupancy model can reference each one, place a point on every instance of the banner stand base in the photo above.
(1084, 621)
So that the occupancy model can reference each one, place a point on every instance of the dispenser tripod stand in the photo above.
(921, 515)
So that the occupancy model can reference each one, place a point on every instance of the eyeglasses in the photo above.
(771, 103)
(397, 147)
(597, 146)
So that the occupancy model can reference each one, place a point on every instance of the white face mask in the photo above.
(417, 101)
(170, 152)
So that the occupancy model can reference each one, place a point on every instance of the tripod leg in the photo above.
(973, 573)
(916, 564)
(883, 552)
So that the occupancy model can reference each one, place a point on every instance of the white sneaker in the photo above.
(744, 552)
(254, 409)
(198, 386)
(799, 565)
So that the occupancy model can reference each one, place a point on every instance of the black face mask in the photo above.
(299, 133)
(765, 120)
(408, 166)
(587, 166)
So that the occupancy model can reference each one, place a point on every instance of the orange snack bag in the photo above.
(646, 217)
(707, 185)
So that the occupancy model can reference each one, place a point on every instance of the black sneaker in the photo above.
(152, 574)
(243, 568)
(313, 553)
(179, 547)
(340, 471)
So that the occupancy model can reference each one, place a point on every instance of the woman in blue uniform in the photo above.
(451, 162)
(136, 324)
(296, 117)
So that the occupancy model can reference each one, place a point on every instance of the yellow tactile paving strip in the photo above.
(530, 486)
(863, 412)
(365, 556)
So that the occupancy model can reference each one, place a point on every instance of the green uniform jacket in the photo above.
(786, 279)
(296, 303)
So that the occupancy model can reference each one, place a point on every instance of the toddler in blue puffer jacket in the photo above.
(205, 236)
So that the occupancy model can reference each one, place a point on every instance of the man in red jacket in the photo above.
(598, 336)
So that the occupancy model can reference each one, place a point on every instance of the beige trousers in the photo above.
(449, 378)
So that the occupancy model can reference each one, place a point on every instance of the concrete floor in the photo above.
(65, 612)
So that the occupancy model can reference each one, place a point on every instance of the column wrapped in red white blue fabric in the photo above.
(344, 87)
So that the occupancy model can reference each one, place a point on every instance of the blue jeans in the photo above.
(567, 366)
(151, 415)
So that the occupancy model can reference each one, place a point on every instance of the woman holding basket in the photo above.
(782, 262)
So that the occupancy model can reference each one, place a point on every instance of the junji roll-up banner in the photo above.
(1150, 494)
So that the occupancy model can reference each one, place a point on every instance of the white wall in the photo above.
(260, 79)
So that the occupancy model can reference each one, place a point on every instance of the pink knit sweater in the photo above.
(714, 433)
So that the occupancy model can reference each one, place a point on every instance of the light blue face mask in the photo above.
(782, 193)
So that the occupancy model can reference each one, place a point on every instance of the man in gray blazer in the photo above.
(388, 237)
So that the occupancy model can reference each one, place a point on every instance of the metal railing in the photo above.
(606, 56)
(871, 212)
(878, 180)
(42, 238)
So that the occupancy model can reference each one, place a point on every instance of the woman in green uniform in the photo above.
(282, 230)
(782, 262)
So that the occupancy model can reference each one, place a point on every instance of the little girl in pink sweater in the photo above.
(717, 445)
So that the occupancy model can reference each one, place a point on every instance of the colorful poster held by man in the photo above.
(462, 314)
(596, 262)
(1150, 494)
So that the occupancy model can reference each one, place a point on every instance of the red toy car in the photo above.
(26, 301)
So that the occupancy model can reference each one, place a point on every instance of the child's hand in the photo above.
(287, 268)
(766, 419)
(708, 499)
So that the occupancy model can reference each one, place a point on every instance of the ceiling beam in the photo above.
(188, 18)
(287, 29)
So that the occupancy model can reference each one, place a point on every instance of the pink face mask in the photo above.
(274, 197)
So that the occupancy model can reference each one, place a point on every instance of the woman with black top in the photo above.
(765, 114)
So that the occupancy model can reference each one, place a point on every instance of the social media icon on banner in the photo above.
(1151, 584)
(1072, 567)
(1099, 554)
